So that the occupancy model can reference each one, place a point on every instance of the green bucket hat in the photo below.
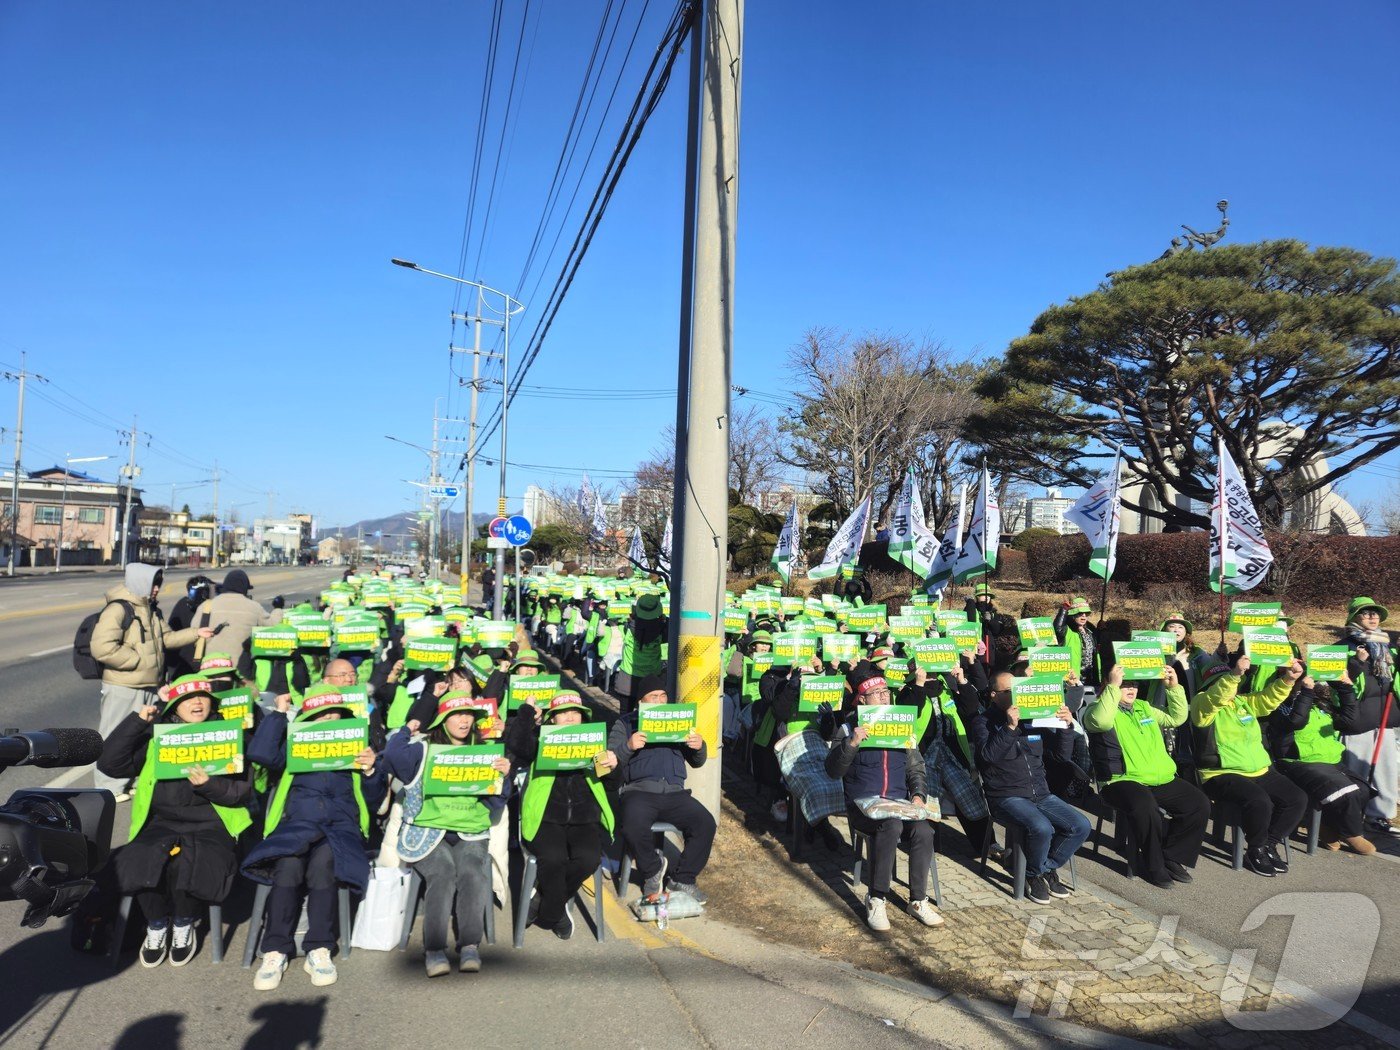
(321, 698)
(218, 665)
(1079, 605)
(528, 658)
(1176, 617)
(565, 701)
(456, 701)
(647, 607)
(982, 591)
(187, 686)
(762, 636)
(1360, 605)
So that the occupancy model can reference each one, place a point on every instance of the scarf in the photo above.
(1377, 646)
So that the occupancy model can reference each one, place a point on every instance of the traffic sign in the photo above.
(497, 528)
(444, 491)
(497, 543)
(518, 530)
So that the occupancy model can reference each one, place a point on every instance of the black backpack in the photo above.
(83, 661)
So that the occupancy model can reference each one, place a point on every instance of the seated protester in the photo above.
(1305, 738)
(1072, 629)
(444, 838)
(653, 789)
(340, 673)
(316, 830)
(872, 773)
(1011, 757)
(182, 853)
(779, 690)
(1372, 668)
(941, 700)
(1235, 766)
(564, 816)
(1190, 661)
(1137, 775)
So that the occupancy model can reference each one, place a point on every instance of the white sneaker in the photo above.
(122, 796)
(876, 917)
(318, 964)
(925, 912)
(779, 811)
(182, 943)
(269, 974)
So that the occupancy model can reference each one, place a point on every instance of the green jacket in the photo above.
(1128, 744)
(1225, 724)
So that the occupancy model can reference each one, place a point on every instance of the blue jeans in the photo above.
(1053, 829)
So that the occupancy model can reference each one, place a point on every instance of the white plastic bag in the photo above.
(379, 921)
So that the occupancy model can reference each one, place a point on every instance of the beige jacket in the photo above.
(232, 617)
(135, 659)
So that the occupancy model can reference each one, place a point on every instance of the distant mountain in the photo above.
(451, 522)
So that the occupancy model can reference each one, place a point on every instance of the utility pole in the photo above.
(700, 505)
(130, 472)
(465, 566)
(22, 375)
(434, 479)
(214, 548)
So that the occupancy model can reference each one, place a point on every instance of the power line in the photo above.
(500, 145)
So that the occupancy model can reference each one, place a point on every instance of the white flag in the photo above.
(978, 553)
(1098, 512)
(912, 543)
(1236, 532)
(637, 554)
(941, 571)
(663, 556)
(787, 543)
(585, 496)
(844, 548)
(598, 529)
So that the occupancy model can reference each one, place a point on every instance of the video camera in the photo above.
(52, 840)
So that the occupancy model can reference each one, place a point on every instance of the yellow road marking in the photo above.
(53, 610)
(624, 925)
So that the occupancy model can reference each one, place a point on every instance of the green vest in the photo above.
(236, 819)
(398, 708)
(279, 803)
(591, 633)
(1145, 758)
(537, 797)
(1318, 740)
(464, 814)
(751, 677)
(1239, 741)
(639, 661)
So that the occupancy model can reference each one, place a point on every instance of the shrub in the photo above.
(1058, 558)
(1012, 566)
(1022, 540)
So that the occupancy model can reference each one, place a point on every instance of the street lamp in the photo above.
(434, 479)
(230, 516)
(169, 522)
(512, 306)
(68, 462)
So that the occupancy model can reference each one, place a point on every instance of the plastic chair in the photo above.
(216, 931)
(1125, 843)
(864, 848)
(1223, 815)
(1314, 828)
(527, 888)
(659, 831)
(1015, 842)
(255, 922)
(410, 911)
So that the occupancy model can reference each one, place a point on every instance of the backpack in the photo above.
(83, 661)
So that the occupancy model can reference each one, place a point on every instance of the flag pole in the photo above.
(1224, 528)
(1112, 536)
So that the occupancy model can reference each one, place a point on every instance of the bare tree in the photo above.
(754, 465)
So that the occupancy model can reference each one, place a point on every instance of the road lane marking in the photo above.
(48, 610)
(70, 776)
(48, 652)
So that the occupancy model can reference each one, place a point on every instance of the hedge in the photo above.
(1308, 569)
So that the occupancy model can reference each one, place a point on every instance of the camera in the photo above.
(52, 840)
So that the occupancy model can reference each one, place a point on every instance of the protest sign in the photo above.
(1165, 640)
(1141, 662)
(1036, 630)
(318, 747)
(1038, 696)
(865, 619)
(936, 655)
(270, 642)
(665, 723)
(429, 654)
(1267, 646)
(215, 747)
(791, 648)
(565, 748)
(840, 648)
(1254, 614)
(1327, 663)
(497, 634)
(889, 725)
(818, 689)
(1052, 660)
(536, 690)
(236, 705)
(464, 770)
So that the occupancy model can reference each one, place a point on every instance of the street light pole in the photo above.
(68, 462)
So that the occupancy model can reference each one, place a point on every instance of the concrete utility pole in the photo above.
(434, 478)
(22, 375)
(476, 320)
(701, 502)
(130, 472)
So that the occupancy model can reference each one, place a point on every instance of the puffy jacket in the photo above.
(135, 659)
(1012, 761)
(232, 617)
(875, 772)
(656, 767)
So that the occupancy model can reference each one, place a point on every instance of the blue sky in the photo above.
(202, 200)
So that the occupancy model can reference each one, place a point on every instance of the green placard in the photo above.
(355, 637)
(936, 655)
(236, 705)
(791, 606)
(666, 723)
(1038, 696)
(918, 599)
(1140, 662)
(565, 748)
(907, 628)
(840, 648)
(313, 635)
(923, 612)
(895, 677)
(537, 690)
(1052, 660)
(273, 641)
(1327, 663)
(818, 689)
(946, 618)
(1267, 646)
(464, 770)
(736, 621)
(1037, 630)
(824, 627)
(792, 648)
(1165, 640)
(762, 662)
(429, 654)
(865, 619)
(426, 627)
(497, 634)
(1254, 614)
(966, 635)
(890, 725)
(318, 747)
(215, 747)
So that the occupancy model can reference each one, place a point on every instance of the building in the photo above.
(175, 538)
(539, 506)
(64, 508)
(1037, 512)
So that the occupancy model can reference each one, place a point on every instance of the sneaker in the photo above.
(876, 915)
(565, 929)
(779, 811)
(269, 974)
(1055, 887)
(1279, 855)
(122, 796)
(154, 947)
(436, 964)
(1381, 826)
(1178, 872)
(999, 855)
(469, 959)
(651, 888)
(182, 942)
(319, 965)
(692, 891)
(925, 912)
(1037, 889)
(1259, 860)
(1360, 844)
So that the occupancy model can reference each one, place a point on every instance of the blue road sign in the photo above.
(518, 530)
(444, 491)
